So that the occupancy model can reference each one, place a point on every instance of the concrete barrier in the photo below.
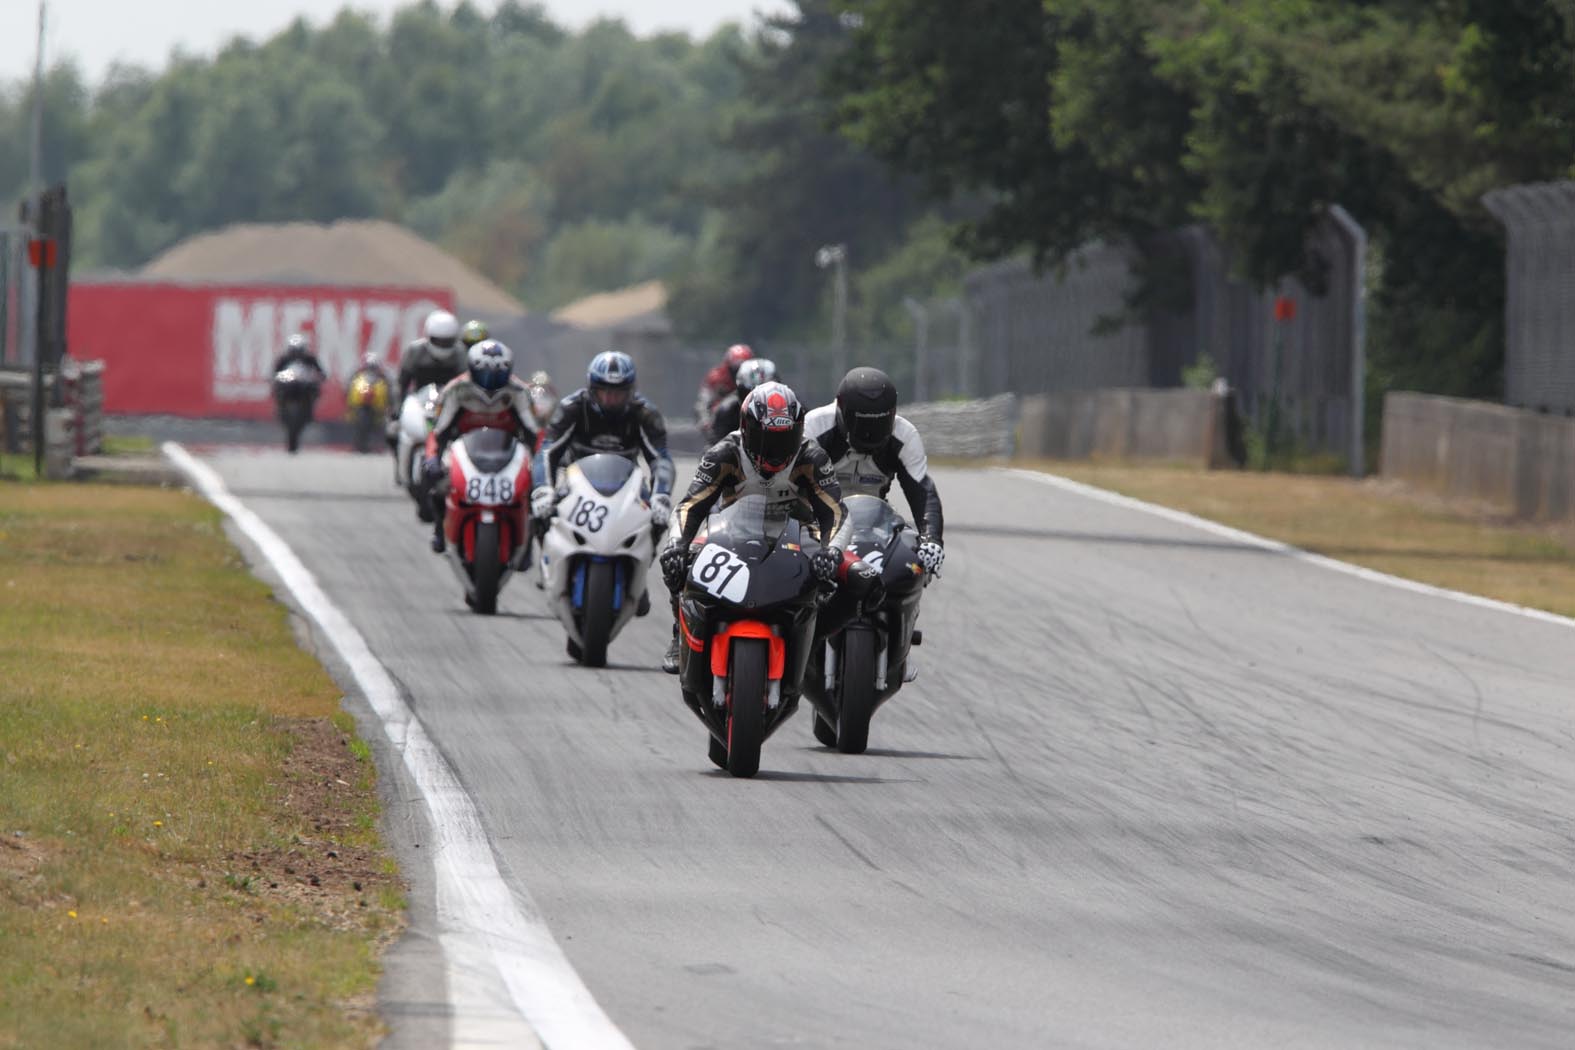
(1508, 460)
(965, 429)
(1177, 426)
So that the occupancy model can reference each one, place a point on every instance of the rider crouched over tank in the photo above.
(768, 455)
(605, 415)
(870, 446)
(487, 394)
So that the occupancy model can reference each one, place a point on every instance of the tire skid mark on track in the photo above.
(509, 981)
(1276, 546)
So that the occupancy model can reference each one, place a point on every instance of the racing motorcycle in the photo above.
(747, 620)
(484, 516)
(415, 419)
(366, 406)
(863, 664)
(295, 390)
(597, 551)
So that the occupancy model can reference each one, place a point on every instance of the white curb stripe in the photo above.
(1263, 542)
(493, 936)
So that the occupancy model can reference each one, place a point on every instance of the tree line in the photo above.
(926, 137)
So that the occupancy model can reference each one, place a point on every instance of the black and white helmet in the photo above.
(771, 424)
(867, 409)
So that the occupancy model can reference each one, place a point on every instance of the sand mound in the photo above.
(610, 309)
(365, 252)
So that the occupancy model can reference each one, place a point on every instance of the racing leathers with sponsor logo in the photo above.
(767, 456)
(435, 358)
(900, 458)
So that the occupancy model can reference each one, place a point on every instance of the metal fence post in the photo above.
(1357, 238)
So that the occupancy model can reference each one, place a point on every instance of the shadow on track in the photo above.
(1230, 547)
(886, 752)
(396, 496)
(788, 777)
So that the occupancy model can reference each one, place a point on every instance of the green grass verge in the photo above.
(188, 853)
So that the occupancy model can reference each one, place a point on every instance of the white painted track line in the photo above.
(508, 980)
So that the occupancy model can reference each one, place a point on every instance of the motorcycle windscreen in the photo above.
(489, 449)
(748, 521)
(607, 473)
(872, 520)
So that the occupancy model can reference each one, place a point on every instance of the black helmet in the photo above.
(298, 344)
(867, 408)
(772, 424)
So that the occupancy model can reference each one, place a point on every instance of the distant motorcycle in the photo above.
(864, 663)
(415, 419)
(597, 551)
(295, 390)
(366, 406)
(485, 512)
(747, 618)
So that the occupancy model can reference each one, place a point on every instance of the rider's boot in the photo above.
(670, 660)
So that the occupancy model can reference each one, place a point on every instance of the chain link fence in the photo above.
(1539, 319)
(1078, 329)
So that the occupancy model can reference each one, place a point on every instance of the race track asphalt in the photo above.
(1152, 788)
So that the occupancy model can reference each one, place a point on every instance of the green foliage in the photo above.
(538, 155)
(1083, 119)
(793, 186)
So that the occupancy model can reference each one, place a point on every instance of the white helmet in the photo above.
(442, 332)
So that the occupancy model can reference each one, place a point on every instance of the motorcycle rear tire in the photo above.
(365, 428)
(596, 621)
(856, 689)
(746, 706)
(293, 425)
(486, 568)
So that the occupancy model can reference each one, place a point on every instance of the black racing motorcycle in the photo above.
(747, 620)
(295, 390)
(861, 652)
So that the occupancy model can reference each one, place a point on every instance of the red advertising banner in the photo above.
(207, 351)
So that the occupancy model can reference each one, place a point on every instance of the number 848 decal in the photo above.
(721, 573)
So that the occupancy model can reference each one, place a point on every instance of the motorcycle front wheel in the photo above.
(596, 620)
(746, 705)
(856, 688)
(486, 568)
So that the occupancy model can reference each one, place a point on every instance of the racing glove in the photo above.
(541, 503)
(675, 563)
(931, 555)
(864, 583)
(432, 469)
(825, 564)
(661, 509)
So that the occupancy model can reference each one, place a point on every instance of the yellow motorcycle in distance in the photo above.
(366, 405)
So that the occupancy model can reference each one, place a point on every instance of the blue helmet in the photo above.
(491, 364)
(610, 380)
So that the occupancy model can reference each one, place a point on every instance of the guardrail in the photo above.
(74, 429)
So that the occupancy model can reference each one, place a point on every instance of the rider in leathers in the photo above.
(605, 415)
(298, 350)
(489, 394)
(870, 446)
(768, 455)
(434, 358)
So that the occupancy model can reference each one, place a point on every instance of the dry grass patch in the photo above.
(191, 855)
(1369, 523)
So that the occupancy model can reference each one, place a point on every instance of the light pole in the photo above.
(921, 346)
(835, 256)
